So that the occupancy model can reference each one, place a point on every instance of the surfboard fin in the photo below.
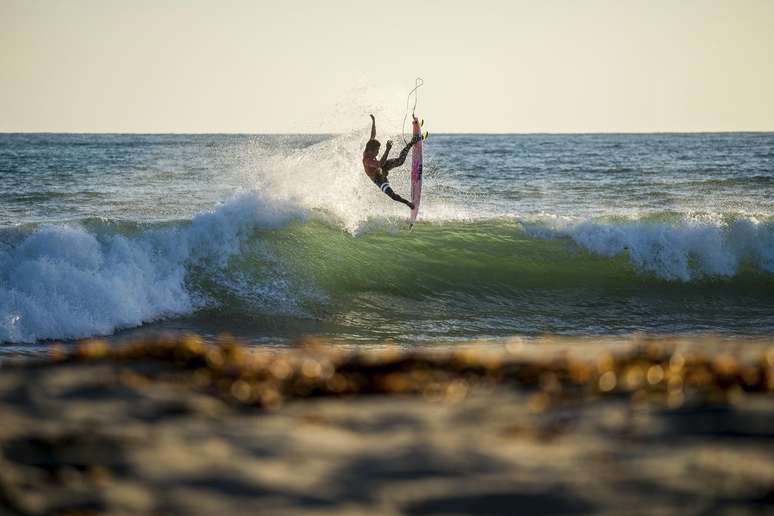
(422, 123)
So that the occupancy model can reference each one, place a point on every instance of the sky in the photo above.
(296, 66)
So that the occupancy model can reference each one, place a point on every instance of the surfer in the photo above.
(377, 169)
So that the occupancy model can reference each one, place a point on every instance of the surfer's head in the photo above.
(372, 147)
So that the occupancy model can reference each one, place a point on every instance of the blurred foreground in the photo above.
(176, 425)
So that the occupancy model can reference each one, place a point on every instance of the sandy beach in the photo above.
(177, 426)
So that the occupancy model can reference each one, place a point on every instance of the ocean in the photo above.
(272, 237)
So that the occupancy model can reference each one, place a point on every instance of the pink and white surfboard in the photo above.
(416, 172)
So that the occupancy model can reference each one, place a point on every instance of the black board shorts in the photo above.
(383, 184)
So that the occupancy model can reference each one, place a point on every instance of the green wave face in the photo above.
(487, 257)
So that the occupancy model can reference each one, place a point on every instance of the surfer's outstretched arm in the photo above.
(373, 127)
(384, 159)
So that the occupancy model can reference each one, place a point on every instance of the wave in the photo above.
(253, 256)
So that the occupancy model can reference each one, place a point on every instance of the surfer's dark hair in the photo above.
(373, 146)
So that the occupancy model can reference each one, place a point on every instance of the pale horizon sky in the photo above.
(301, 66)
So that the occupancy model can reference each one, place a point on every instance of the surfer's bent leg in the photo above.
(385, 187)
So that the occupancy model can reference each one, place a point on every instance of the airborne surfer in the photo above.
(377, 169)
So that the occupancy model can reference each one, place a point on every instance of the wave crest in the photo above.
(685, 251)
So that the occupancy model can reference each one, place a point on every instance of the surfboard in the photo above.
(416, 172)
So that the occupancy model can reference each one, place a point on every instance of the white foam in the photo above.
(64, 282)
(683, 251)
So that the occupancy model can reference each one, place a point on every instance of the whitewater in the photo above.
(272, 237)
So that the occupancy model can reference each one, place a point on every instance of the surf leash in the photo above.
(417, 84)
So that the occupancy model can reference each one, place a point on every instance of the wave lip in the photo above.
(63, 282)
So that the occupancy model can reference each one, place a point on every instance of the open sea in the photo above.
(273, 237)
